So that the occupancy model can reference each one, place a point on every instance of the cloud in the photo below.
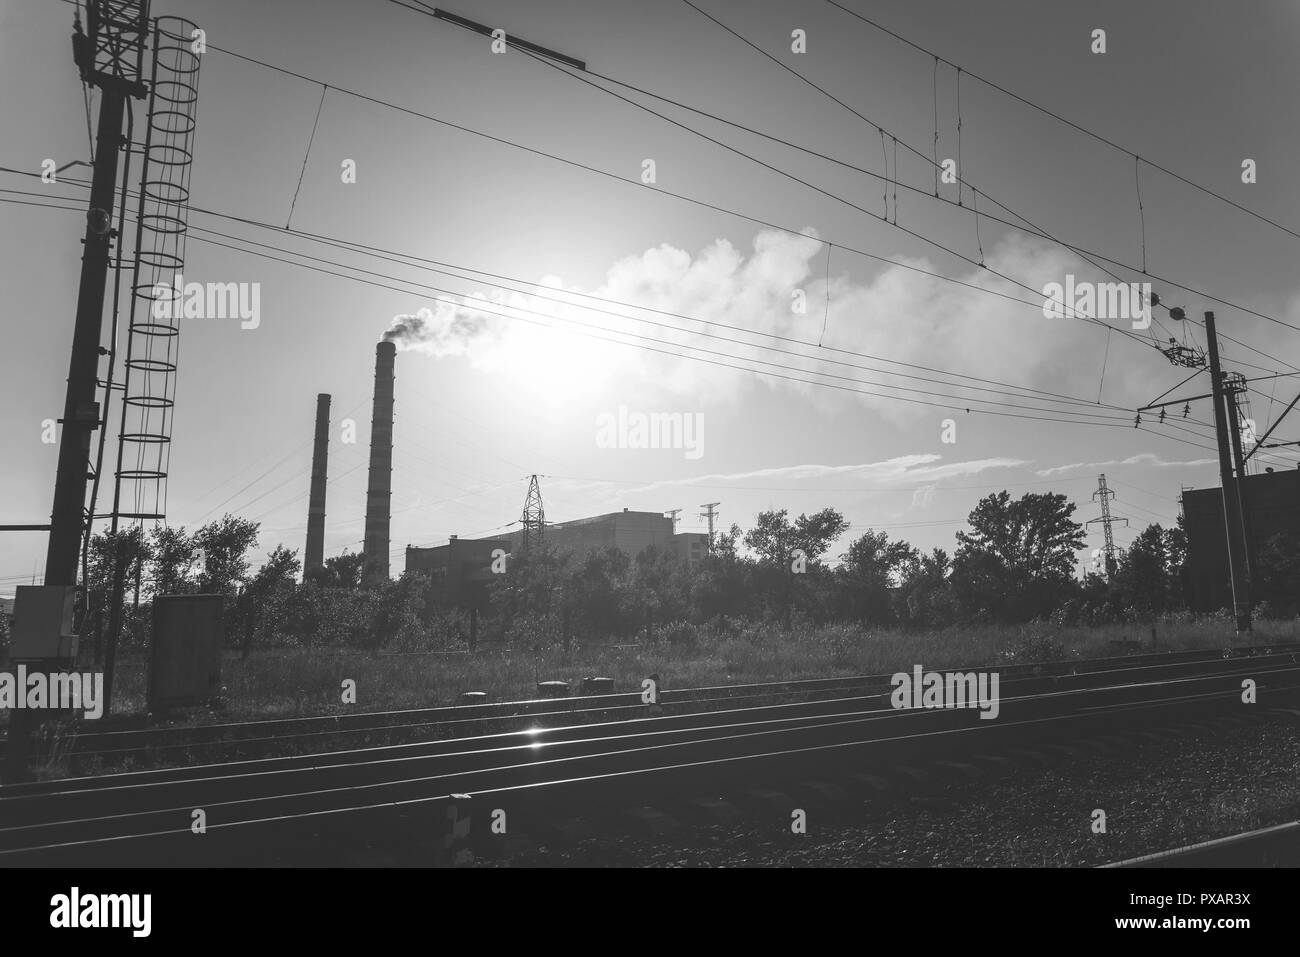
(1142, 458)
(723, 306)
(901, 471)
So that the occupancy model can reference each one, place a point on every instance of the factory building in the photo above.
(630, 532)
(1272, 507)
(460, 570)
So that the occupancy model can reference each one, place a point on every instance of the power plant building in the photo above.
(460, 570)
(1271, 503)
(630, 532)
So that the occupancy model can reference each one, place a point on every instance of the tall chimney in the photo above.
(314, 554)
(379, 493)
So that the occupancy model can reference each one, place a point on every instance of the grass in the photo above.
(296, 682)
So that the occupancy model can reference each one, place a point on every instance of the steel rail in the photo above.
(881, 733)
(632, 724)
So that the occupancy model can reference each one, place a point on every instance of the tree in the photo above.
(656, 591)
(1277, 575)
(174, 553)
(1017, 561)
(224, 543)
(870, 568)
(340, 571)
(777, 540)
(529, 590)
(398, 608)
(590, 592)
(722, 585)
(924, 596)
(1145, 578)
(263, 604)
(135, 549)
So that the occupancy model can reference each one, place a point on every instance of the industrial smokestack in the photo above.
(314, 555)
(379, 493)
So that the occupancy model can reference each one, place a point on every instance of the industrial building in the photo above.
(460, 570)
(1271, 502)
(630, 532)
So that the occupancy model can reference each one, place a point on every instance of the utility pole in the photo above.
(110, 56)
(1233, 386)
(710, 513)
(673, 513)
(117, 32)
(1238, 568)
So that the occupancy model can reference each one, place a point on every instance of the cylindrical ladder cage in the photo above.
(157, 295)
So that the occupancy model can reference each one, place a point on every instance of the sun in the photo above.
(557, 366)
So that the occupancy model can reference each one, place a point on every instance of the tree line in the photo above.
(1014, 563)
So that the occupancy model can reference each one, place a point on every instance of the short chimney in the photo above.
(314, 553)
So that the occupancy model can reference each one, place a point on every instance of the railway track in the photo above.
(405, 793)
(1277, 846)
(95, 750)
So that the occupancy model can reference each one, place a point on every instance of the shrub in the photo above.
(681, 634)
(1031, 645)
(534, 631)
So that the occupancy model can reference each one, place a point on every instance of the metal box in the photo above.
(188, 634)
(43, 623)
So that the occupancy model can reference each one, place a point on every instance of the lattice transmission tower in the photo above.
(534, 515)
(1110, 552)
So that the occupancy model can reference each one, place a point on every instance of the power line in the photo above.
(352, 246)
(1085, 254)
(554, 157)
(962, 399)
(958, 399)
(669, 326)
(307, 155)
(980, 263)
(1061, 119)
(729, 365)
(696, 358)
(402, 109)
(1025, 225)
(389, 255)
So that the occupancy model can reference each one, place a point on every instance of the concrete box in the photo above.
(43, 623)
(188, 634)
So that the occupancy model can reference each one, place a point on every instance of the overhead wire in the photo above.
(391, 105)
(1070, 123)
(410, 260)
(960, 400)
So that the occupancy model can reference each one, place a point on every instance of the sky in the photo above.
(835, 359)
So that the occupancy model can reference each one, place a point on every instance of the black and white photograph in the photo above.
(609, 435)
